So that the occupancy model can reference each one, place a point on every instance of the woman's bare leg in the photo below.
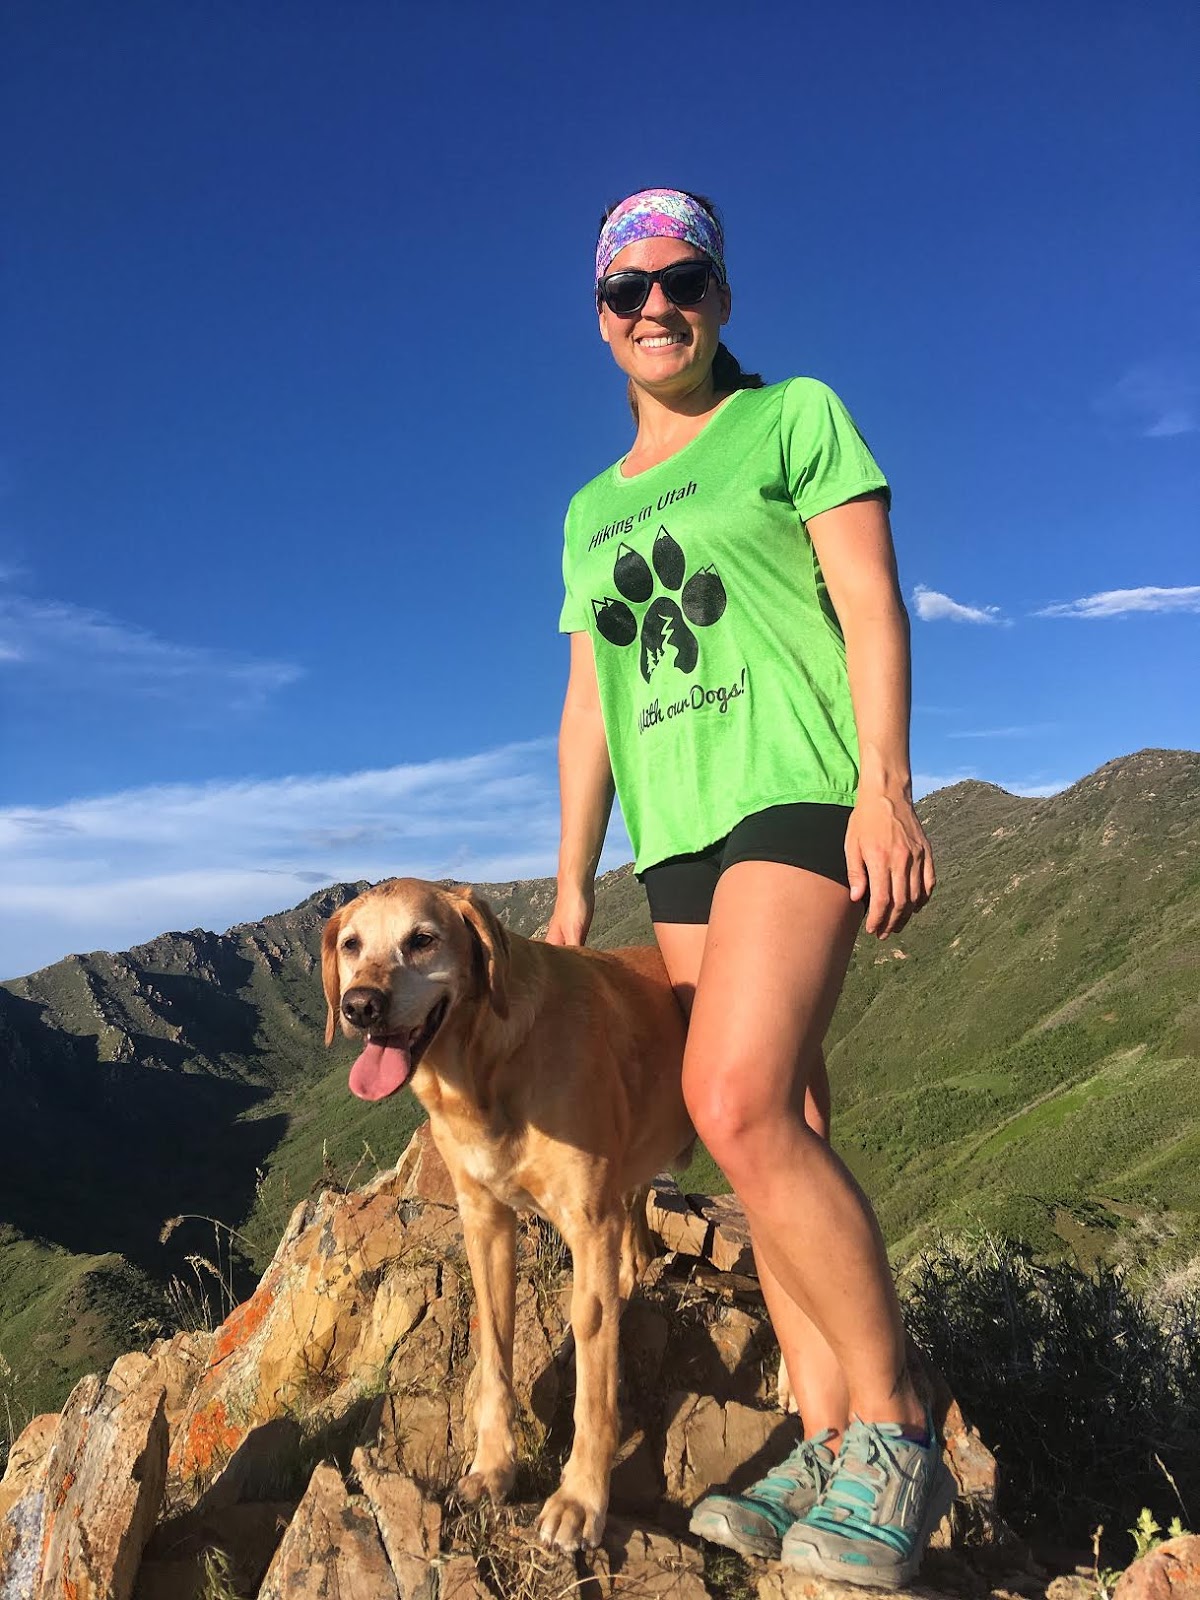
(816, 1377)
(774, 959)
(813, 1370)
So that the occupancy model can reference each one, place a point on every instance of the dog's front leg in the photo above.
(574, 1514)
(490, 1230)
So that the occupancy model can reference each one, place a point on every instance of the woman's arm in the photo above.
(585, 784)
(887, 852)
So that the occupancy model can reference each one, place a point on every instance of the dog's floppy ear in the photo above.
(329, 973)
(493, 944)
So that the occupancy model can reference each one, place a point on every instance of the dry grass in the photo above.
(507, 1555)
(216, 1580)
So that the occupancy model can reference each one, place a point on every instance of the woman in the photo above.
(740, 668)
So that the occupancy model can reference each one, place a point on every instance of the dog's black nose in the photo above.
(364, 1008)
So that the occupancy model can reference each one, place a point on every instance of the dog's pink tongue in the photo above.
(382, 1068)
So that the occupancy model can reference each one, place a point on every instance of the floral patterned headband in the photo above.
(660, 214)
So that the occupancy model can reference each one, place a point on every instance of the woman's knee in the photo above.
(738, 1114)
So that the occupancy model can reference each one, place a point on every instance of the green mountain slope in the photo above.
(1023, 1056)
(1028, 1047)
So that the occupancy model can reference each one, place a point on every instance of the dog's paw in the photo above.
(493, 1485)
(567, 1522)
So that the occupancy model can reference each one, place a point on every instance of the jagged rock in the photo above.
(636, 1485)
(736, 1340)
(104, 1476)
(26, 1458)
(22, 1507)
(778, 1583)
(174, 1365)
(712, 1226)
(640, 1561)
(360, 1334)
(409, 1524)
(331, 1547)
(645, 1333)
(1071, 1586)
(710, 1443)
(724, 1351)
(969, 1459)
(461, 1581)
(729, 1247)
(673, 1220)
(535, 1373)
(422, 1173)
(417, 1424)
(345, 1286)
(415, 1434)
(1172, 1572)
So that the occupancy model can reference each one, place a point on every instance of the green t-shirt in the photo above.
(719, 657)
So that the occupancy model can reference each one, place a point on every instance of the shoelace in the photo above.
(804, 1464)
(864, 1466)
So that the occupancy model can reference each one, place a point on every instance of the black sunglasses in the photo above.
(685, 283)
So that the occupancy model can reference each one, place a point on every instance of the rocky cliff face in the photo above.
(306, 1446)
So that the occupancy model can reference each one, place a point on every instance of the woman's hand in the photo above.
(888, 859)
(572, 917)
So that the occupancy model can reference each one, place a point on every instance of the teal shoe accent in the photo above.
(883, 1502)
(753, 1523)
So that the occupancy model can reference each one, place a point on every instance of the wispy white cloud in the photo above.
(108, 871)
(1154, 400)
(113, 870)
(1038, 791)
(933, 606)
(56, 641)
(924, 783)
(1127, 602)
(1028, 788)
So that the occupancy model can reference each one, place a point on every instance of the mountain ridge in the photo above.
(1023, 1057)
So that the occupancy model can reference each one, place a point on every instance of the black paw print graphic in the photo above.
(701, 602)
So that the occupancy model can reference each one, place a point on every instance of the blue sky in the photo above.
(301, 370)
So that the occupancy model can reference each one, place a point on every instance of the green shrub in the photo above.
(1086, 1388)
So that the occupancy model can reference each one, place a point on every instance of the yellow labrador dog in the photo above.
(552, 1080)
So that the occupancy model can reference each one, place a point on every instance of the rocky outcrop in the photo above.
(1171, 1572)
(92, 1493)
(306, 1447)
(332, 1546)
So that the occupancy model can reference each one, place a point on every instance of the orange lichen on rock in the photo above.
(208, 1442)
(242, 1323)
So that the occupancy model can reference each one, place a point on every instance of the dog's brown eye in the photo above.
(421, 941)
(352, 945)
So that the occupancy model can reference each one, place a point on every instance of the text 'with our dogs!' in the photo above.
(698, 698)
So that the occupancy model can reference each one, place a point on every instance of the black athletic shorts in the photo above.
(809, 835)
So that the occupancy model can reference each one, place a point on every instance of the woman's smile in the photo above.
(664, 343)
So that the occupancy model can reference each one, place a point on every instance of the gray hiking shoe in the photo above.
(886, 1496)
(754, 1523)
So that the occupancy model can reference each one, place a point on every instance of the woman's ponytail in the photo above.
(727, 373)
